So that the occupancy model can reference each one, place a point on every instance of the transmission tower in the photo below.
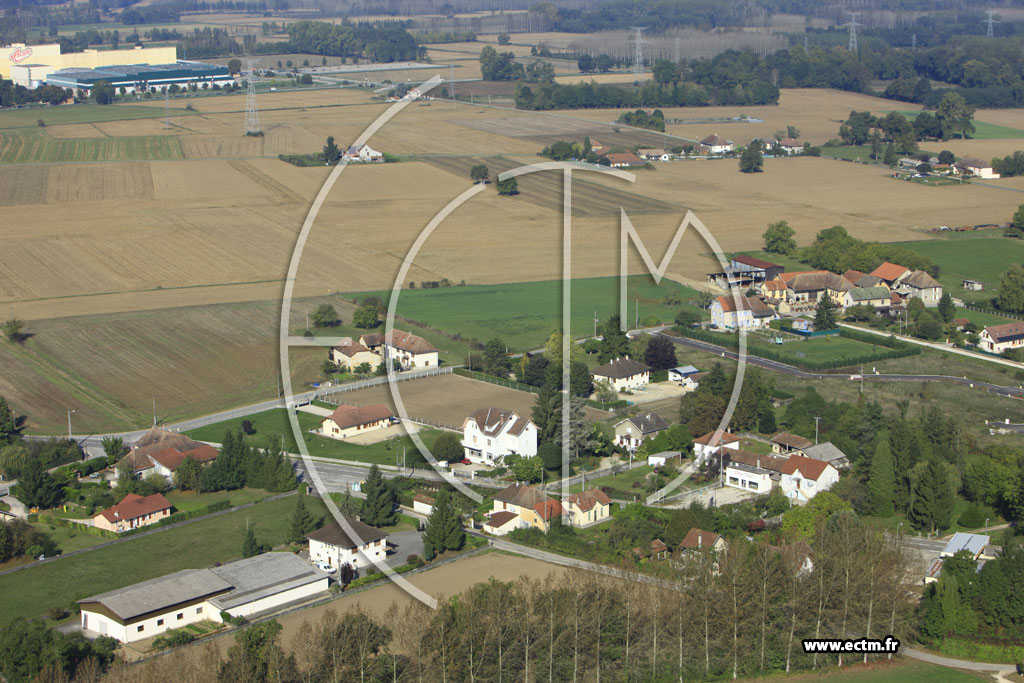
(991, 21)
(853, 24)
(677, 55)
(252, 117)
(638, 53)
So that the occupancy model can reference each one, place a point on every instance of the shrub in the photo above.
(174, 638)
(415, 560)
(56, 613)
(974, 516)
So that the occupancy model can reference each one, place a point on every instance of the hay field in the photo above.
(72, 131)
(598, 78)
(21, 146)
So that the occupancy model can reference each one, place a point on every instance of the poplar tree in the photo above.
(882, 480)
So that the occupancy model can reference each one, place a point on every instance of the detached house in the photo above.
(334, 545)
(161, 452)
(352, 354)
(623, 160)
(410, 350)
(490, 434)
(348, 420)
(976, 167)
(132, 512)
(699, 540)
(751, 314)
(530, 507)
(363, 153)
(588, 507)
(791, 146)
(999, 338)
(753, 472)
(654, 154)
(716, 144)
(703, 448)
(631, 432)
(623, 374)
(803, 478)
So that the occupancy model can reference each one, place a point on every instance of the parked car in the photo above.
(465, 461)
(324, 567)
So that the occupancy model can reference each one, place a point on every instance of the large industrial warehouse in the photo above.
(30, 65)
(142, 77)
(257, 585)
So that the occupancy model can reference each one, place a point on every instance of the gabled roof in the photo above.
(492, 421)
(809, 467)
(816, 281)
(869, 293)
(351, 348)
(973, 543)
(724, 439)
(586, 500)
(827, 452)
(500, 519)
(372, 339)
(424, 498)
(262, 576)
(790, 142)
(548, 509)
(758, 308)
(653, 151)
(698, 538)
(346, 416)
(972, 162)
(171, 458)
(792, 440)
(134, 506)
(658, 546)
(920, 280)
(160, 593)
(521, 495)
(172, 448)
(889, 271)
(648, 423)
(685, 370)
(715, 140)
(775, 285)
(334, 534)
(407, 341)
(754, 261)
(620, 368)
(1006, 332)
(624, 158)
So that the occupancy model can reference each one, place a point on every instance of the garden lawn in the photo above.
(814, 349)
(184, 501)
(30, 592)
(523, 314)
(621, 483)
(984, 259)
(275, 421)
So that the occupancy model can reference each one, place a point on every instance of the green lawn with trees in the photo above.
(982, 258)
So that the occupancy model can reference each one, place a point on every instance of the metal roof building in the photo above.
(134, 77)
(256, 585)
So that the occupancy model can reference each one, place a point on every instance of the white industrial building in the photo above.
(246, 588)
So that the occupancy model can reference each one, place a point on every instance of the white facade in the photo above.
(153, 626)
(363, 153)
(702, 451)
(749, 478)
(800, 486)
(336, 556)
(505, 433)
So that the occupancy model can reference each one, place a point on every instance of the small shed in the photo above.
(972, 285)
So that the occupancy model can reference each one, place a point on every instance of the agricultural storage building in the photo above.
(249, 587)
(142, 77)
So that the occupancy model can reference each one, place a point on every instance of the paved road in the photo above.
(957, 663)
(1014, 392)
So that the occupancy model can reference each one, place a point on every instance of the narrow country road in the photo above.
(957, 663)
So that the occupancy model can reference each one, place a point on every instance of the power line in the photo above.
(638, 53)
(252, 117)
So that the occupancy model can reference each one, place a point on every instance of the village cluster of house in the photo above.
(777, 293)
(712, 145)
(968, 166)
(522, 507)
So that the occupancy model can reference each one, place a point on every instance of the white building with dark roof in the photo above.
(999, 338)
(632, 431)
(623, 374)
(348, 420)
(334, 544)
(410, 350)
(490, 434)
(257, 585)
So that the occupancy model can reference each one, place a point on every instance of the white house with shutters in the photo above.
(490, 434)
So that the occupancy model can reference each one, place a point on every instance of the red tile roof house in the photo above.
(698, 539)
(704, 449)
(891, 273)
(533, 507)
(588, 507)
(803, 478)
(160, 451)
(132, 512)
(410, 350)
(348, 420)
(785, 443)
(624, 160)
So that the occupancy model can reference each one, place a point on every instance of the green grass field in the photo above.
(31, 592)
(275, 421)
(982, 130)
(523, 314)
(816, 349)
(35, 145)
(982, 259)
(621, 483)
(77, 113)
(184, 501)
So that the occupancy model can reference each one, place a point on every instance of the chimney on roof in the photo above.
(116, 513)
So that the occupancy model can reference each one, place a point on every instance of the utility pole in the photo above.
(853, 24)
(638, 54)
(816, 430)
(636, 322)
(154, 411)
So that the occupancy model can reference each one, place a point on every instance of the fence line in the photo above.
(432, 423)
(992, 311)
(376, 382)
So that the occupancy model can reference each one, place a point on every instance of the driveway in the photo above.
(315, 410)
(658, 392)
(403, 544)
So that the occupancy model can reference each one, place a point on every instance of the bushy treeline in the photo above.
(35, 651)
(386, 42)
(237, 465)
(742, 612)
(12, 95)
(834, 249)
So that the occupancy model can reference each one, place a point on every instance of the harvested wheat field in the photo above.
(71, 131)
